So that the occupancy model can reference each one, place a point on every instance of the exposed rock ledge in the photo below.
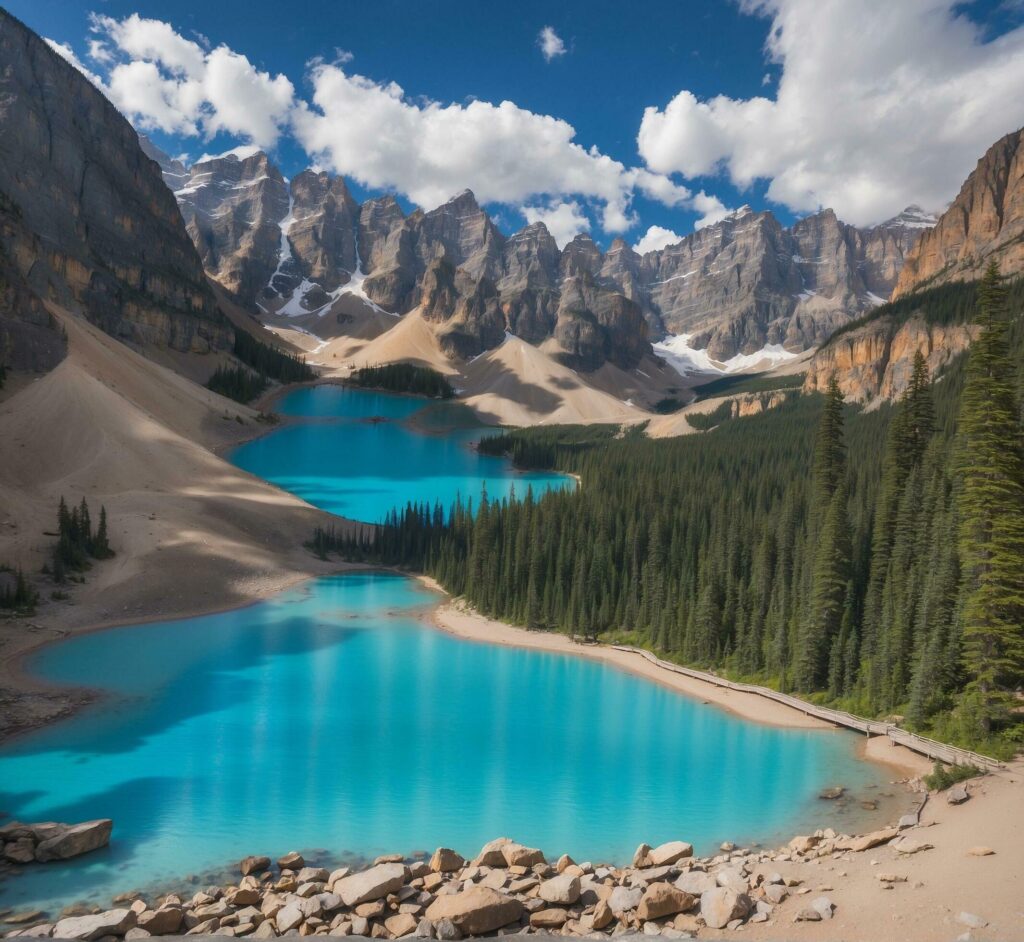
(41, 843)
(875, 361)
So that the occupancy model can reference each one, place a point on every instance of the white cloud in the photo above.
(657, 237)
(99, 52)
(879, 104)
(712, 208)
(551, 45)
(564, 220)
(163, 81)
(429, 150)
(372, 131)
(68, 54)
(239, 153)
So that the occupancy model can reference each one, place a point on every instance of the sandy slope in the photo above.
(512, 384)
(518, 384)
(191, 532)
(411, 339)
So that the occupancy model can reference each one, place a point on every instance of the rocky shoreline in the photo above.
(507, 888)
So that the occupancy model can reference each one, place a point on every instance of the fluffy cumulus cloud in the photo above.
(656, 238)
(164, 81)
(504, 153)
(550, 43)
(564, 220)
(879, 104)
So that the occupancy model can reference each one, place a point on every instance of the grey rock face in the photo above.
(323, 230)
(234, 210)
(746, 282)
(85, 217)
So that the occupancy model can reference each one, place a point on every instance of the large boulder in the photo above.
(401, 924)
(958, 794)
(868, 841)
(293, 860)
(477, 910)
(669, 853)
(732, 878)
(603, 915)
(721, 906)
(516, 855)
(75, 839)
(696, 882)
(446, 860)
(625, 898)
(663, 899)
(553, 918)
(371, 884)
(491, 853)
(254, 864)
(563, 889)
(641, 857)
(112, 922)
(163, 921)
(290, 917)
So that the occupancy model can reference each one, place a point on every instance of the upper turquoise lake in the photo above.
(359, 454)
(335, 720)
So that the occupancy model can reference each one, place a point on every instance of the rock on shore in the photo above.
(25, 843)
(508, 887)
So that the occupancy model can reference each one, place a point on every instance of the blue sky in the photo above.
(809, 146)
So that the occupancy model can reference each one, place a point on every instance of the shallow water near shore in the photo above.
(360, 454)
(334, 719)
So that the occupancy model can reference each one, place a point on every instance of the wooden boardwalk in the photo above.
(921, 744)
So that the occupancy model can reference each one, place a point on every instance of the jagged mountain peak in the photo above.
(913, 217)
(734, 286)
(737, 214)
(464, 202)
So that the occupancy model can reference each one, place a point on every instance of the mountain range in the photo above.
(732, 288)
(173, 257)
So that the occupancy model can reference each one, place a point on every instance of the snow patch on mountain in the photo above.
(687, 359)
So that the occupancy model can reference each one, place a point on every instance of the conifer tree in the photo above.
(830, 538)
(991, 507)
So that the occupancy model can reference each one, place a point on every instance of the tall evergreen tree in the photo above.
(991, 506)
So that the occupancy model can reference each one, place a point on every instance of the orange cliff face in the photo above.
(875, 361)
(985, 222)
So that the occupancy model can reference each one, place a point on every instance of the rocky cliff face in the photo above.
(85, 218)
(747, 282)
(984, 222)
(234, 210)
(875, 361)
(733, 287)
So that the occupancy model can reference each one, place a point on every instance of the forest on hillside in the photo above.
(870, 559)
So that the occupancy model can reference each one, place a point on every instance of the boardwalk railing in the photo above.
(951, 755)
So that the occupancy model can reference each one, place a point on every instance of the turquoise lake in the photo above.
(335, 720)
(342, 460)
